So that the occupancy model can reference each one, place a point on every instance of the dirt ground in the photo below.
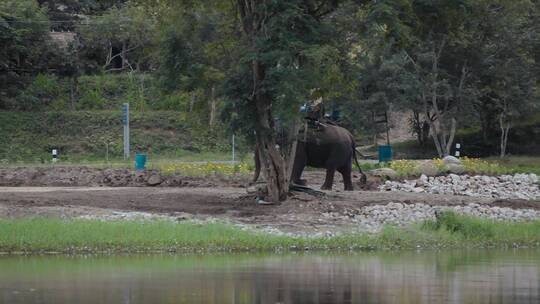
(208, 198)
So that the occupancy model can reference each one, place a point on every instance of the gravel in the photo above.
(518, 186)
(374, 217)
(369, 219)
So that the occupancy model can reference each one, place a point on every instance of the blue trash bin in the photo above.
(140, 161)
(385, 154)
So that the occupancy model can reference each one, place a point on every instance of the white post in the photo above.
(233, 151)
(54, 155)
(125, 122)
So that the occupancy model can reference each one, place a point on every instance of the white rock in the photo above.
(384, 172)
(451, 160)
(455, 168)
(428, 168)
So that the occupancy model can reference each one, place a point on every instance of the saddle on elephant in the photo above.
(315, 121)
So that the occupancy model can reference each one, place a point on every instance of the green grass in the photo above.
(55, 235)
(519, 164)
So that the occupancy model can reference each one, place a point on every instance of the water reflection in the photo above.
(426, 277)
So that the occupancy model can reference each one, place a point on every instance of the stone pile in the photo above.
(373, 218)
(518, 186)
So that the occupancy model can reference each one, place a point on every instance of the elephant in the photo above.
(323, 145)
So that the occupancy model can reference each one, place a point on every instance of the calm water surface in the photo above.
(399, 277)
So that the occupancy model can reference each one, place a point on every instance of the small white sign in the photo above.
(54, 152)
(457, 153)
(458, 146)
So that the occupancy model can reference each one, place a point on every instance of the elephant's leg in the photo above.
(329, 180)
(347, 181)
(300, 162)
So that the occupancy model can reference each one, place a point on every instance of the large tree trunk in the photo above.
(443, 134)
(432, 127)
(293, 144)
(273, 164)
(452, 135)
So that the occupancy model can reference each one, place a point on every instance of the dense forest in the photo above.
(467, 68)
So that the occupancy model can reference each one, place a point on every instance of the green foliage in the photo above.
(99, 92)
(25, 47)
(40, 93)
(122, 38)
(468, 61)
(281, 61)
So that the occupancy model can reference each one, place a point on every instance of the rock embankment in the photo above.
(374, 217)
(370, 219)
(518, 186)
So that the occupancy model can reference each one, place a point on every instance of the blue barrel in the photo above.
(385, 154)
(140, 161)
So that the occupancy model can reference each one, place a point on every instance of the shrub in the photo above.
(206, 169)
(404, 167)
(468, 227)
(40, 93)
(479, 166)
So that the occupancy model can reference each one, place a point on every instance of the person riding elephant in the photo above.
(322, 144)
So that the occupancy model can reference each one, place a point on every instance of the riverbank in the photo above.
(449, 230)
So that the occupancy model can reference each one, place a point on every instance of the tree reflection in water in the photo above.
(380, 277)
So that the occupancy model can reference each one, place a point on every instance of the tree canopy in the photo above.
(249, 65)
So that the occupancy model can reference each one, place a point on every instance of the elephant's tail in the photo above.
(363, 178)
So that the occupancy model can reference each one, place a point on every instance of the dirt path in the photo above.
(301, 212)
(72, 192)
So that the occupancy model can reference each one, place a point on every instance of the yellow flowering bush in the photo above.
(439, 163)
(206, 169)
(404, 167)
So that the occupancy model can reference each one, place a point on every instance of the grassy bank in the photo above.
(450, 231)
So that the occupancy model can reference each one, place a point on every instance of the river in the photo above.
(472, 276)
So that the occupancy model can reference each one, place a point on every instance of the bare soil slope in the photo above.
(204, 199)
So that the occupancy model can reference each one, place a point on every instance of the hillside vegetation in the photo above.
(30, 136)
